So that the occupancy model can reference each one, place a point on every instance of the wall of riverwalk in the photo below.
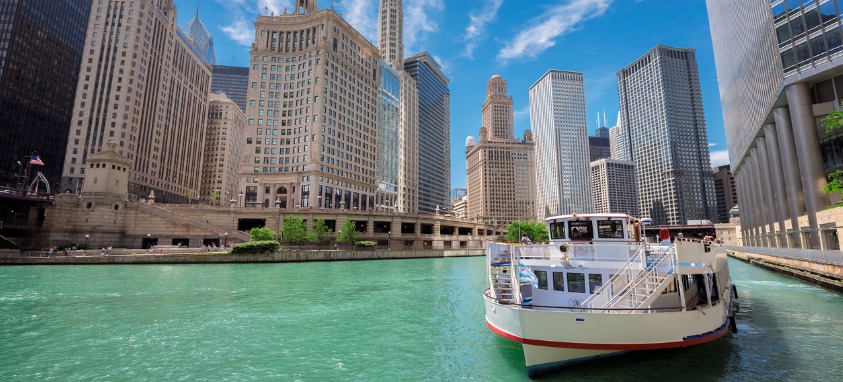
(826, 272)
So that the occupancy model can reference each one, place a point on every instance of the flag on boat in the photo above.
(525, 274)
(36, 160)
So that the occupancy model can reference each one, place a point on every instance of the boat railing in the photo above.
(619, 281)
(581, 308)
(575, 251)
(642, 287)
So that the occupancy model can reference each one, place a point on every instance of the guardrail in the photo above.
(828, 257)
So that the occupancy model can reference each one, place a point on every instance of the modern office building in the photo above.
(233, 81)
(41, 45)
(724, 188)
(500, 169)
(664, 127)
(599, 145)
(615, 189)
(147, 90)
(224, 143)
(434, 148)
(779, 69)
(200, 39)
(389, 125)
(618, 143)
(560, 130)
(311, 130)
(458, 193)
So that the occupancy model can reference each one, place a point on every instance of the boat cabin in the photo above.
(592, 228)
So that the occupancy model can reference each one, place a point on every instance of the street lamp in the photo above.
(86, 241)
(225, 243)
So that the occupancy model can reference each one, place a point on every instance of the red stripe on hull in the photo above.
(578, 345)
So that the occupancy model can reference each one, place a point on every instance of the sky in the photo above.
(520, 40)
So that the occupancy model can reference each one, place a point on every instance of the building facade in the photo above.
(724, 188)
(200, 39)
(41, 46)
(311, 130)
(599, 145)
(614, 186)
(233, 81)
(500, 169)
(558, 120)
(434, 136)
(391, 32)
(389, 128)
(664, 127)
(779, 66)
(223, 150)
(146, 89)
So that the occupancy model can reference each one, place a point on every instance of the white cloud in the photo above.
(719, 158)
(241, 31)
(556, 21)
(420, 19)
(521, 113)
(243, 12)
(445, 66)
(477, 26)
(362, 15)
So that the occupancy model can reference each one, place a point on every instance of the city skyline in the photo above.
(590, 46)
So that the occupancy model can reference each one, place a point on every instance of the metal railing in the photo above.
(828, 257)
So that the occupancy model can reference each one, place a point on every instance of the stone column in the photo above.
(748, 211)
(743, 203)
(777, 179)
(808, 150)
(766, 191)
(790, 165)
(758, 200)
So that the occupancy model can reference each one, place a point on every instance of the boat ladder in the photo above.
(641, 289)
(617, 283)
(502, 282)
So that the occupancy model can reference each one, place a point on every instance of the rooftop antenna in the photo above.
(197, 9)
(604, 118)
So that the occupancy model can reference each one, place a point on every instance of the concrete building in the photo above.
(614, 186)
(727, 194)
(618, 142)
(434, 136)
(500, 169)
(200, 39)
(663, 125)
(147, 90)
(391, 32)
(558, 121)
(311, 134)
(223, 150)
(233, 81)
(458, 207)
(41, 45)
(779, 67)
(389, 127)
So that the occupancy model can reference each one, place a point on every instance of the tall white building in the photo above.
(664, 124)
(614, 187)
(560, 130)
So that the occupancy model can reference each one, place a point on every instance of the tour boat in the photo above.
(598, 289)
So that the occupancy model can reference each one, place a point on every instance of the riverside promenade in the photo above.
(824, 268)
(194, 256)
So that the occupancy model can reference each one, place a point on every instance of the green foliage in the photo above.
(320, 232)
(833, 120)
(215, 195)
(536, 231)
(293, 231)
(261, 234)
(191, 194)
(266, 246)
(348, 232)
(365, 244)
(835, 183)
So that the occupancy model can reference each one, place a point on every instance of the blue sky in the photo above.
(518, 39)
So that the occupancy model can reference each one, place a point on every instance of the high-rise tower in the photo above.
(497, 111)
(200, 39)
(391, 32)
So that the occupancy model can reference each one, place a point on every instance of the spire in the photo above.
(605, 121)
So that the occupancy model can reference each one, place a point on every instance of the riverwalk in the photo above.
(824, 268)
(195, 256)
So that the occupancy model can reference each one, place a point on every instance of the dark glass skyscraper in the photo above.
(434, 132)
(233, 81)
(41, 45)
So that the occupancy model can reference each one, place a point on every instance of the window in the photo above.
(580, 230)
(576, 282)
(559, 281)
(610, 229)
(542, 276)
(557, 230)
(594, 281)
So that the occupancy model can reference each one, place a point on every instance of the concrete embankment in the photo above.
(827, 275)
(213, 258)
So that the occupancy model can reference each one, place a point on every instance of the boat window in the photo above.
(610, 229)
(594, 281)
(559, 281)
(557, 230)
(576, 282)
(542, 276)
(580, 230)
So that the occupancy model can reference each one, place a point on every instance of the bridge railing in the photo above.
(829, 257)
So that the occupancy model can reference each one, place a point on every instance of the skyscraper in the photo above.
(311, 130)
(389, 124)
(724, 188)
(233, 81)
(778, 69)
(147, 90)
(614, 187)
(558, 120)
(391, 32)
(434, 147)
(500, 169)
(200, 39)
(41, 45)
(664, 127)
(223, 150)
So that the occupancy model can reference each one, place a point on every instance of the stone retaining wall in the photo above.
(826, 275)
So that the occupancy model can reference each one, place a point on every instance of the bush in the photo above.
(261, 234)
(365, 244)
(265, 246)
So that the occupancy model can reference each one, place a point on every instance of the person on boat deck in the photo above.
(526, 240)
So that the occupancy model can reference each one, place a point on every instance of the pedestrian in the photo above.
(525, 240)
(50, 252)
(108, 250)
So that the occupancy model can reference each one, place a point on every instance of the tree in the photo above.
(191, 194)
(833, 120)
(293, 231)
(536, 231)
(261, 234)
(215, 195)
(348, 232)
(320, 232)
(835, 183)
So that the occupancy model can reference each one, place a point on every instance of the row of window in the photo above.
(576, 282)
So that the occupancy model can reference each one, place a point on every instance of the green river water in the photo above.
(392, 320)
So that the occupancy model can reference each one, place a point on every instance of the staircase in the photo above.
(642, 288)
(212, 229)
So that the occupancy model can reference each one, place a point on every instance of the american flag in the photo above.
(36, 160)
